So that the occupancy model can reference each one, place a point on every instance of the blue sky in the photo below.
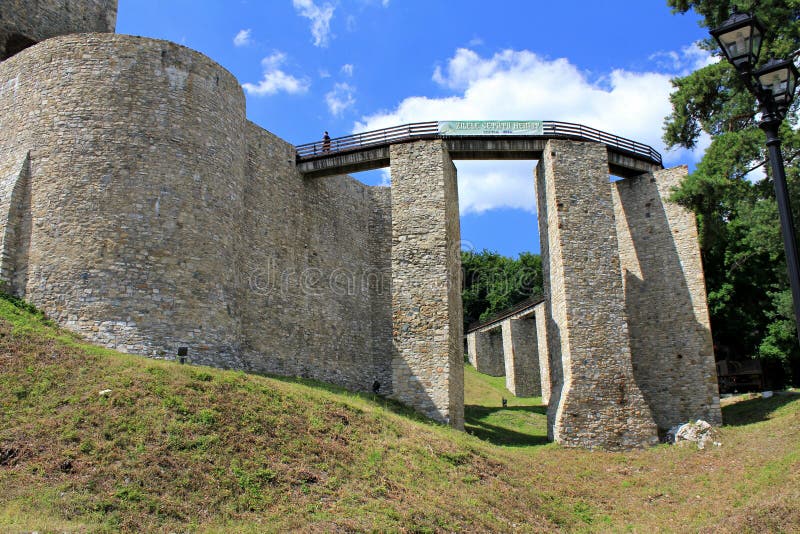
(349, 65)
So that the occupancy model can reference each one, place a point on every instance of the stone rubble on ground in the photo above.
(699, 432)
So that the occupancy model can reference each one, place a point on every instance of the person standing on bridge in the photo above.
(326, 142)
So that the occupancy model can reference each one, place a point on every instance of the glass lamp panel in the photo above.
(755, 45)
(775, 82)
(737, 43)
(791, 83)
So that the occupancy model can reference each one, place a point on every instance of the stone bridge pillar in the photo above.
(472, 349)
(489, 351)
(595, 400)
(427, 330)
(544, 354)
(521, 351)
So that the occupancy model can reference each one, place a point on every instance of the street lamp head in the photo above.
(739, 37)
(779, 79)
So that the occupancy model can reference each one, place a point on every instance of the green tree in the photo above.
(748, 294)
(493, 282)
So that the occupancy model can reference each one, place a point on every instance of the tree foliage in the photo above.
(493, 282)
(731, 190)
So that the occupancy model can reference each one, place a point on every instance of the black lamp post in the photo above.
(773, 85)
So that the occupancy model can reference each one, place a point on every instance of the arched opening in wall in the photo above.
(16, 43)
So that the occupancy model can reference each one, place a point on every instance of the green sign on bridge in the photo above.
(491, 128)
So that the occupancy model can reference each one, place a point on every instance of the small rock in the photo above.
(699, 432)
(105, 392)
(766, 394)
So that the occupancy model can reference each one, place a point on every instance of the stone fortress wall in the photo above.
(136, 161)
(25, 22)
(139, 207)
(162, 218)
(314, 272)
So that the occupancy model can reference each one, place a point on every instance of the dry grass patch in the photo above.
(181, 448)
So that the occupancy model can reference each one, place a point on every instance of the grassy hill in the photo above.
(184, 448)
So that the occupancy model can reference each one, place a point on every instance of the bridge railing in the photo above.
(419, 129)
(568, 129)
(530, 302)
(367, 139)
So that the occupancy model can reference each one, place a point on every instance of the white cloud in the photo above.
(686, 60)
(340, 98)
(682, 154)
(243, 38)
(698, 57)
(275, 80)
(347, 69)
(320, 17)
(486, 185)
(521, 85)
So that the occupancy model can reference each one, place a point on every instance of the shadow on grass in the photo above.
(386, 403)
(754, 410)
(475, 423)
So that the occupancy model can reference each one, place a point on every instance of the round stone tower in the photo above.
(24, 23)
(133, 156)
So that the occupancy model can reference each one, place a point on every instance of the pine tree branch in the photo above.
(787, 160)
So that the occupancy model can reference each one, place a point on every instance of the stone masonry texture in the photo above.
(596, 400)
(315, 272)
(472, 349)
(15, 198)
(161, 218)
(428, 361)
(136, 159)
(489, 352)
(140, 208)
(23, 22)
(521, 355)
(540, 315)
(673, 355)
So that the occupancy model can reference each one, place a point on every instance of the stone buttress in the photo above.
(521, 356)
(489, 355)
(595, 399)
(665, 294)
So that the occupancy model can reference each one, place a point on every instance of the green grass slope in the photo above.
(523, 422)
(176, 448)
